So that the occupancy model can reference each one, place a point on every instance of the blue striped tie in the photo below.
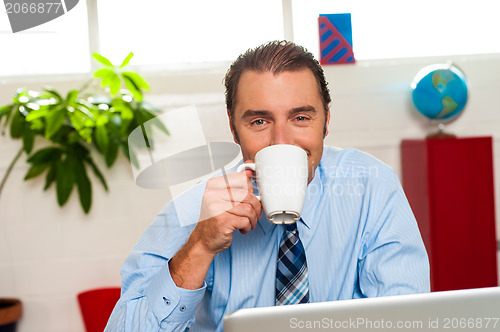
(292, 283)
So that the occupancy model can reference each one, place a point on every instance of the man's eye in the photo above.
(258, 122)
(301, 118)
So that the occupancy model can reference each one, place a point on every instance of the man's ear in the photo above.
(233, 131)
(327, 122)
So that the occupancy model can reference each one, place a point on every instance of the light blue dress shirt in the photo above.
(359, 233)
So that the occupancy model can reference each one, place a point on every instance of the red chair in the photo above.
(96, 306)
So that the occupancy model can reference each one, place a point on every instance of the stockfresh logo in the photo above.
(25, 14)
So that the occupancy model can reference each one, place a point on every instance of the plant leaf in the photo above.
(127, 60)
(51, 176)
(71, 97)
(83, 184)
(108, 79)
(137, 79)
(36, 125)
(5, 112)
(77, 119)
(136, 92)
(54, 93)
(5, 109)
(81, 151)
(112, 153)
(102, 139)
(115, 84)
(116, 127)
(36, 114)
(102, 59)
(65, 180)
(125, 112)
(103, 72)
(55, 120)
(103, 118)
(97, 172)
(35, 170)
(46, 155)
(17, 125)
(28, 140)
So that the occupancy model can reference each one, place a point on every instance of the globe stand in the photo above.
(440, 133)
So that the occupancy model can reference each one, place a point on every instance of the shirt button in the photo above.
(183, 308)
(163, 325)
(167, 301)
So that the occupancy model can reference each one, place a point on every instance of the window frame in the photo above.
(200, 70)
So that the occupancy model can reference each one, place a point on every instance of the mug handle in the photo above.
(250, 166)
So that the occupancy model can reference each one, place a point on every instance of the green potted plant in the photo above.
(59, 132)
(73, 124)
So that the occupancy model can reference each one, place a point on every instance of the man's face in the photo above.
(280, 109)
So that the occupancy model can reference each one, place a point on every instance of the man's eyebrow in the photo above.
(302, 109)
(252, 113)
(265, 113)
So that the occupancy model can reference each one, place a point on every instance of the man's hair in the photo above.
(275, 57)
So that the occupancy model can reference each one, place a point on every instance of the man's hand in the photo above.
(228, 204)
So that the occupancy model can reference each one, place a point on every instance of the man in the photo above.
(357, 230)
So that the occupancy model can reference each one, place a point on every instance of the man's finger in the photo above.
(233, 180)
(242, 224)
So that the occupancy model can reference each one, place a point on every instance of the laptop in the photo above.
(462, 310)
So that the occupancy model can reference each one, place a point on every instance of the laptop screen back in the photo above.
(465, 310)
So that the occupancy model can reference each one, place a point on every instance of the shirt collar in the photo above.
(313, 193)
(264, 224)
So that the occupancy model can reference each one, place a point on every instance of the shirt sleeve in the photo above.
(162, 306)
(393, 258)
(150, 299)
(171, 304)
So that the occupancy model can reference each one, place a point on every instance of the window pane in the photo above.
(165, 32)
(56, 47)
(397, 29)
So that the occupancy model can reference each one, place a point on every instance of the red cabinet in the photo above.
(449, 184)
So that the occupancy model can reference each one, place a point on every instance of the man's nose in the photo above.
(281, 135)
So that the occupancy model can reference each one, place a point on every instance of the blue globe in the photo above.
(439, 92)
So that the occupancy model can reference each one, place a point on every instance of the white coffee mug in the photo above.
(281, 172)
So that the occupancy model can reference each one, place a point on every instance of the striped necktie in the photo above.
(292, 283)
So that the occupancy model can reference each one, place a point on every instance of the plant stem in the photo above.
(9, 169)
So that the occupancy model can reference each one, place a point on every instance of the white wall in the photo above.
(49, 254)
